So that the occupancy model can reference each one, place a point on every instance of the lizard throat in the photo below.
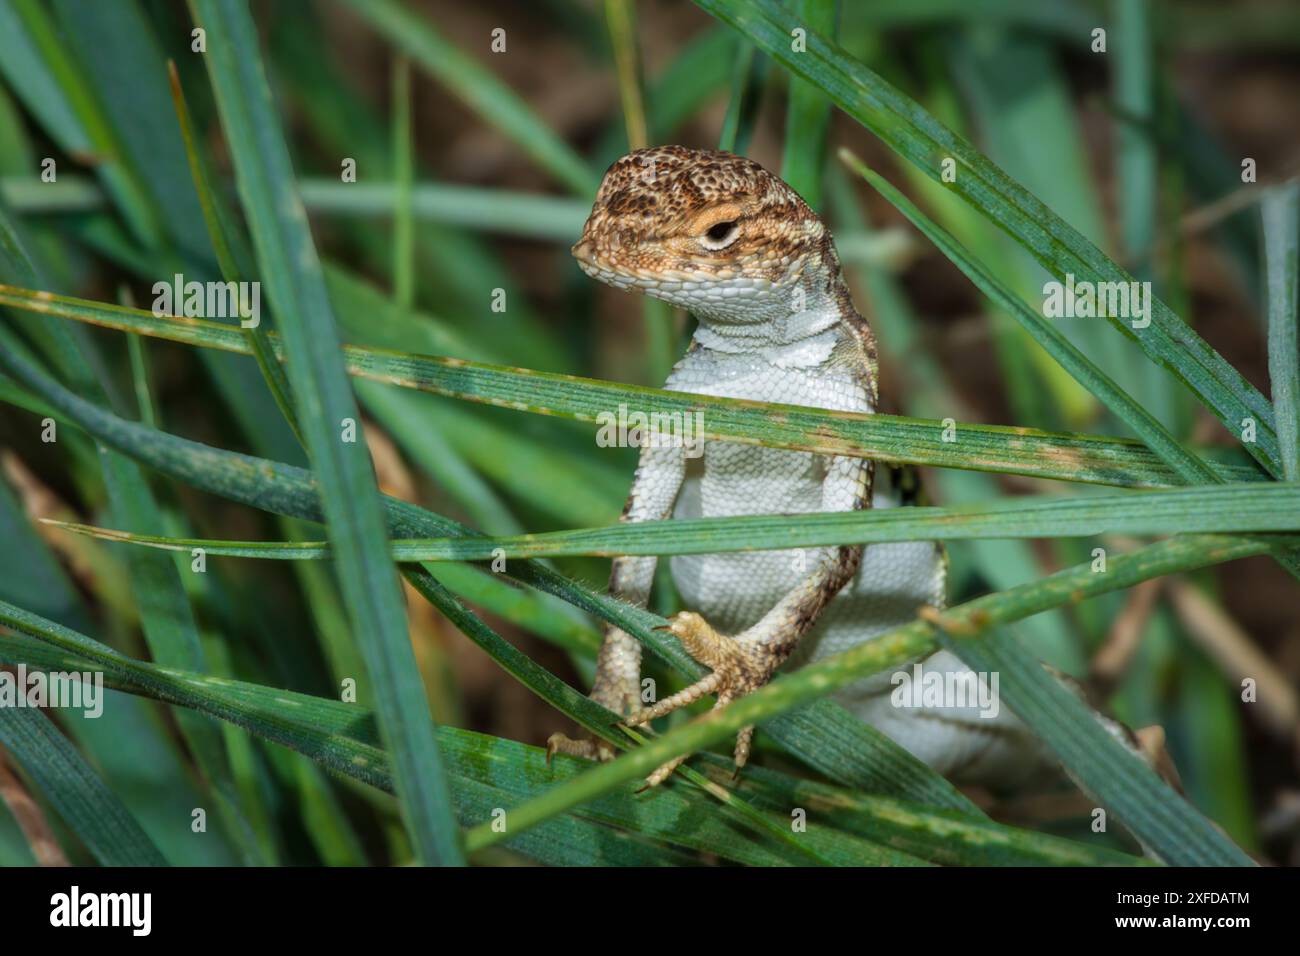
(783, 329)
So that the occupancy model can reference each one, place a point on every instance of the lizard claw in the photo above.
(738, 668)
(589, 748)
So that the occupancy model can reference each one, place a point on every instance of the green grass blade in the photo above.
(742, 108)
(1255, 507)
(661, 349)
(526, 215)
(518, 771)
(942, 836)
(292, 272)
(620, 18)
(1135, 154)
(540, 614)
(823, 735)
(1160, 818)
(33, 82)
(700, 68)
(137, 351)
(928, 392)
(1177, 836)
(1190, 468)
(221, 235)
(348, 744)
(344, 738)
(1062, 456)
(172, 635)
(1020, 103)
(1214, 771)
(478, 88)
(86, 804)
(595, 718)
(1281, 212)
(808, 115)
(136, 755)
(120, 53)
(1129, 409)
(912, 132)
(63, 94)
(145, 171)
(523, 215)
(403, 176)
(1141, 178)
(454, 267)
(165, 613)
(1064, 20)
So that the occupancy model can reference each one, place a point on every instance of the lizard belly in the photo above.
(733, 591)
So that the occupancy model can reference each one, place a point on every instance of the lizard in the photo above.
(719, 235)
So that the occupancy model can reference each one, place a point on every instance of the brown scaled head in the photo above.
(682, 223)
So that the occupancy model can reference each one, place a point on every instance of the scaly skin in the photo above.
(718, 235)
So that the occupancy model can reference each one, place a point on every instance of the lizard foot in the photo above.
(738, 668)
(589, 748)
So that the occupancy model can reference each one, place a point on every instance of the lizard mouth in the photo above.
(682, 285)
(689, 290)
(621, 280)
(590, 262)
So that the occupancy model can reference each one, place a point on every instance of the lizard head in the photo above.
(708, 231)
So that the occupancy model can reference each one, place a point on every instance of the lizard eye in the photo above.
(720, 235)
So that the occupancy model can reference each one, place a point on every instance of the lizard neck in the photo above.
(780, 328)
(803, 316)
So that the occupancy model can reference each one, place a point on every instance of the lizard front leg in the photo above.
(744, 662)
(659, 476)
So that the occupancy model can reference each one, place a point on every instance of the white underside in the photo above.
(734, 590)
